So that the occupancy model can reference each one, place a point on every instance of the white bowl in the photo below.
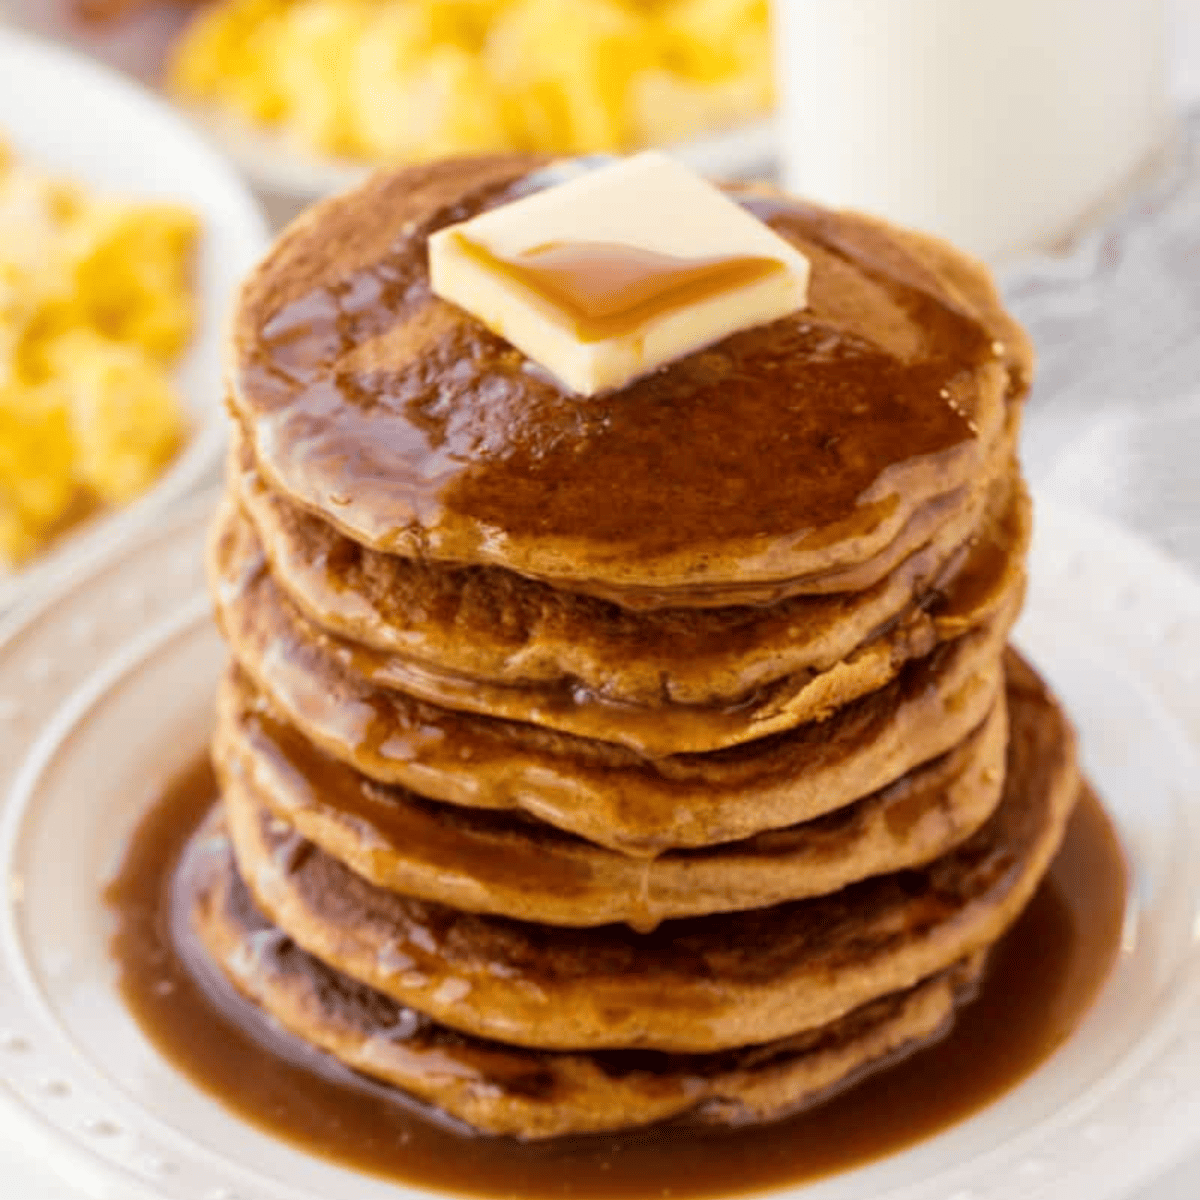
(72, 117)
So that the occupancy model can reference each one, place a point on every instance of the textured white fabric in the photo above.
(1114, 422)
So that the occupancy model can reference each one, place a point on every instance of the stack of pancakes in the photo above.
(589, 761)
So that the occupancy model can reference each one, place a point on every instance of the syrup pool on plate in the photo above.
(1042, 978)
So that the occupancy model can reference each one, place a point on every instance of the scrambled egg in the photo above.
(95, 307)
(413, 79)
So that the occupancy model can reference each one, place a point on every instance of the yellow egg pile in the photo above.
(412, 79)
(95, 307)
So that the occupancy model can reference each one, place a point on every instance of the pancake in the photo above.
(995, 581)
(782, 454)
(502, 1089)
(606, 793)
(691, 986)
(516, 867)
(487, 624)
(990, 573)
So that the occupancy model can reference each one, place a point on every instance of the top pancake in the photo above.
(781, 454)
(488, 626)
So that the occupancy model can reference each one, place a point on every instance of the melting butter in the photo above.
(619, 271)
(608, 290)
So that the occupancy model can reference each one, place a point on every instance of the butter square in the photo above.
(618, 271)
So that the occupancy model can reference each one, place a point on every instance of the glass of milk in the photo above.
(998, 124)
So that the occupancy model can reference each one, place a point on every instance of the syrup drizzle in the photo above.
(1042, 978)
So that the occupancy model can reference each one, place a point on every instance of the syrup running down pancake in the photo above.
(708, 983)
(983, 578)
(857, 973)
(590, 761)
(514, 866)
(785, 453)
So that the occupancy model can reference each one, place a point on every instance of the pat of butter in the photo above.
(619, 271)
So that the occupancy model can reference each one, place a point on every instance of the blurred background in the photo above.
(1057, 139)
(1001, 126)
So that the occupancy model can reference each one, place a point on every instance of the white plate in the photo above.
(72, 117)
(1114, 624)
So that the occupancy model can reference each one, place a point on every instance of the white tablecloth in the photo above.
(1134, 459)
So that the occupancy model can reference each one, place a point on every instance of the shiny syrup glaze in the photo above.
(495, 846)
(398, 839)
(425, 746)
(367, 396)
(508, 848)
(605, 290)
(1042, 978)
(974, 585)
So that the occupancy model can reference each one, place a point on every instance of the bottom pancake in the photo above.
(528, 1093)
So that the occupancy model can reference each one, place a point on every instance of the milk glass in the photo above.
(998, 124)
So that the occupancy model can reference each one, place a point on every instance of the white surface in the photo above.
(1115, 625)
(1114, 422)
(996, 125)
(69, 116)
